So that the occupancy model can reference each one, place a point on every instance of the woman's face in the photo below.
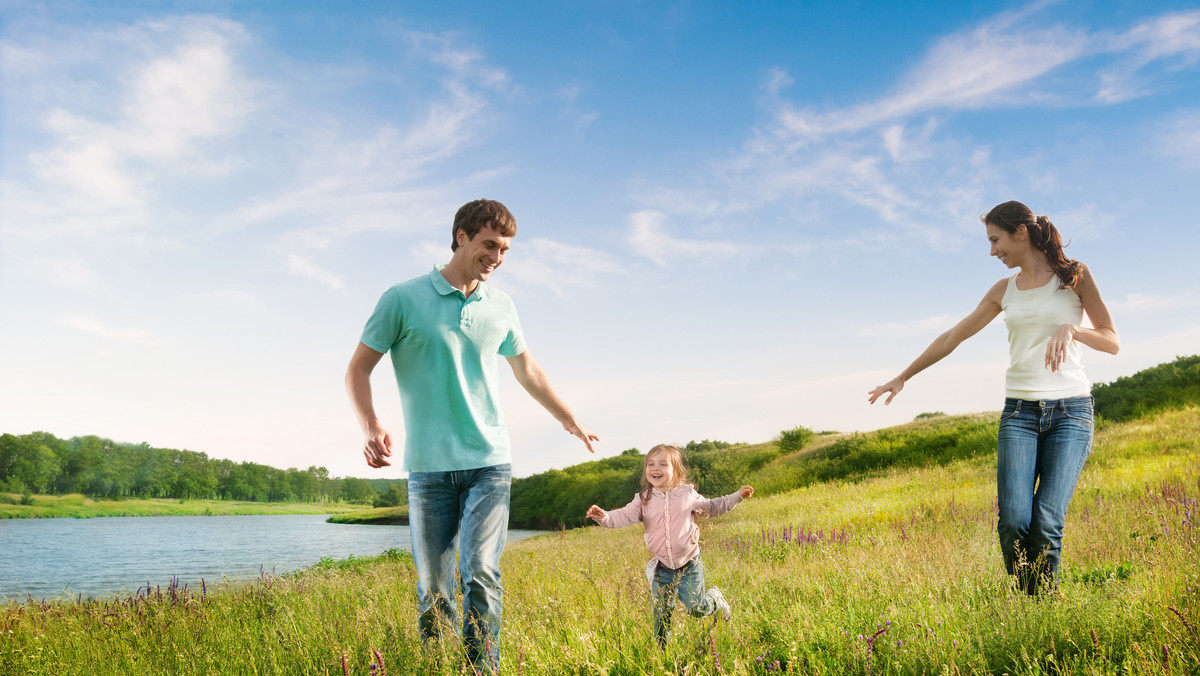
(1009, 247)
(659, 472)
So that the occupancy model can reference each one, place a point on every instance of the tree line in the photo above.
(41, 463)
(100, 468)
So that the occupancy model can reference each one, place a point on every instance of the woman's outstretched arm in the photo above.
(981, 316)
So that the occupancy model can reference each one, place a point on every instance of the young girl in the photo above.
(668, 507)
(1046, 426)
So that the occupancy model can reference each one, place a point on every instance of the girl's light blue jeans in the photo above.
(465, 510)
(1041, 449)
(685, 583)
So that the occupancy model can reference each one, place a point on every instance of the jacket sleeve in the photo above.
(717, 506)
(629, 514)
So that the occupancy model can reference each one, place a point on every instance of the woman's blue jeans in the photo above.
(1041, 449)
(685, 583)
(467, 510)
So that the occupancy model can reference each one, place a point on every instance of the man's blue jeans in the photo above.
(468, 508)
(685, 583)
(1041, 449)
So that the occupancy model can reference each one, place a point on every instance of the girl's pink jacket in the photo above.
(671, 531)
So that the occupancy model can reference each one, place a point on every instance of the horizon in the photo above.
(732, 220)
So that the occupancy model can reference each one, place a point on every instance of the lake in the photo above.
(101, 557)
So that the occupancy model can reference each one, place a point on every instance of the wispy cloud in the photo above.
(649, 238)
(1181, 139)
(305, 268)
(116, 334)
(1136, 303)
(981, 67)
(107, 155)
(236, 299)
(925, 326)
(558, 266)
(1173, 38)
(897, 157)
(579, 117)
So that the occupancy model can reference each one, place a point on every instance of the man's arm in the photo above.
(377, 443)
(531, 376)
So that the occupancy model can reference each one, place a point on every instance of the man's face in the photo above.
(482, 253)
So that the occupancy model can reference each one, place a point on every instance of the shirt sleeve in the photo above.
(629, 514)
(514, 342)
(717, 506)
(385, 323)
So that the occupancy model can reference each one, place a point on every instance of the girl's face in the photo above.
(659, 472)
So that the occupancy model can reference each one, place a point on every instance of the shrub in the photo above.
(795, 439)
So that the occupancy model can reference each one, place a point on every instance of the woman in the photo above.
(1046, 427)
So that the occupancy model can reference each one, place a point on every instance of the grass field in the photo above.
(82, 507)
(897, 573)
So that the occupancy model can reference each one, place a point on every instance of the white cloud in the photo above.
(649, 238)
(926, 326)
(303, 267)
(73, 273)
(557, 266)
(236, 299)
(983, 67)
(114, 334)
(571, 111)
(1181, 139)
(165, 88)
(1136, 303)
(1173, 36)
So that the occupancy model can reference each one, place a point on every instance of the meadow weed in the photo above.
(891, 571)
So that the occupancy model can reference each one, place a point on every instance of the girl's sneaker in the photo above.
(722, 605)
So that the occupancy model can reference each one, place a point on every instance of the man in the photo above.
(443, 331)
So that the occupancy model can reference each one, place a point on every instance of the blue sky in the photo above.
(734, 218)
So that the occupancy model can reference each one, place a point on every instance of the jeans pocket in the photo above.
(1079, 408)
(1012, 409)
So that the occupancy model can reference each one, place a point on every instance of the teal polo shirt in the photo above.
(444, 349)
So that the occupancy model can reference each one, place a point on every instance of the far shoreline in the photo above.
(77, 506)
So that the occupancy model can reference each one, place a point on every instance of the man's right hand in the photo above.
(377, 447)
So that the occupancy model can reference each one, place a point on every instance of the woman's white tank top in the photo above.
(1032, 317)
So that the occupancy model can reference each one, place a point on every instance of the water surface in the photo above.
(103, 557)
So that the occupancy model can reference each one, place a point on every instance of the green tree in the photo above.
(795, 439)
(392, 497)
(357, 491)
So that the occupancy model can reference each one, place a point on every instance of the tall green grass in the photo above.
(890, 571)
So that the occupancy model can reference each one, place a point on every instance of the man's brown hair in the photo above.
(474, 216)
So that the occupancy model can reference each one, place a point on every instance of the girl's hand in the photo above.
(746, 491)
(892, 387)
(595, 513)
(1056, 350)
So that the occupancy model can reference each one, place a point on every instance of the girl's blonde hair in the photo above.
(678, 471)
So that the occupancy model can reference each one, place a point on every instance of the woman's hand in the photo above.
(1056, 350)
(746, 491)
(596, 514)
(894, 386)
